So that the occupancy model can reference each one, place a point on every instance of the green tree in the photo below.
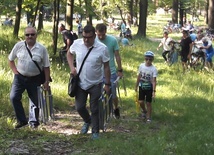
(211, 14)
(18, 17)
(143, 7)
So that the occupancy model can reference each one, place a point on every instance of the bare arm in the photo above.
(13, 67)
(159, 45)
(70, 58)
(154, 86)
(47, 78)
(107, 76)
(137, 83)
(68, 44)
(119, 64)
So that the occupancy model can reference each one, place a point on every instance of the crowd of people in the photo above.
(190, 37)
(100, 70)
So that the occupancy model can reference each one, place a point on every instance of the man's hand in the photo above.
(107, 89)
(46, 85)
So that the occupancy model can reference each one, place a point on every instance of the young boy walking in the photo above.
(146, 84)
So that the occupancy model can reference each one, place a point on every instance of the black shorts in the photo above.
(145, 94)
(184, 58)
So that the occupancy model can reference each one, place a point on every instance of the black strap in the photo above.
(84, 60)
(32, 59)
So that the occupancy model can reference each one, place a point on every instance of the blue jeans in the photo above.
(20, 84)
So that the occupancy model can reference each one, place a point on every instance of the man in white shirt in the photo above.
(91, 76)
(27, 75)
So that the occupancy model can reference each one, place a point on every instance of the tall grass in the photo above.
(182, 118)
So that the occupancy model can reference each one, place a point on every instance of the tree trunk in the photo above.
(37, 8)
(88, 12)
(211, 14)
(55, 25)
(206, 10)
(143, 6)
(41, 17)
(69, 14)
(181, 19)
(175, 11)
(18, 17)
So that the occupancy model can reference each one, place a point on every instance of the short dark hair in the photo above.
(88, 29)
(101, 27)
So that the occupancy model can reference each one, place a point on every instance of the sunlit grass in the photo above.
(182, 111)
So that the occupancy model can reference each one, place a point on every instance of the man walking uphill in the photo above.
(26, 75)
(113, 49)
(91, 76)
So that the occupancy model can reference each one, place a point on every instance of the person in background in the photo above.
(207, 45)
(128, 33)
(26, 75)
(165, 42)
(186, 48)
(67, 35)
(91, 77)
(192, 35)
(146, 85)
(125, 41)
(113, 49)
(122, 29)
(68, 39)
(79, 28)
(8, 22)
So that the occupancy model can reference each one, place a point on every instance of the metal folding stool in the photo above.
(105, 110)
(45, 99)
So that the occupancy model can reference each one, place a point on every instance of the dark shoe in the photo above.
(144, 114)
(33, 125)
(20, 124)
(85, 128)
(117, 113)
(95, 136)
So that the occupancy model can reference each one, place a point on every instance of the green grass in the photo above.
(182, 111)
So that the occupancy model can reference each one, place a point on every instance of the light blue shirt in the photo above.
(112, 44)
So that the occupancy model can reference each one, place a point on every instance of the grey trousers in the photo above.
(80, 102)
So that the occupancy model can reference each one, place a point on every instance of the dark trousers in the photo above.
(164, 55)
(20, 84)
(81, 99)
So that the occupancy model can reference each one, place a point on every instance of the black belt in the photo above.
(29, 76)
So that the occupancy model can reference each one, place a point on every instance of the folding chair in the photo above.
(45, 99)
(105, 110)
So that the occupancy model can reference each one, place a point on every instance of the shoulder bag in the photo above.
(74, 80)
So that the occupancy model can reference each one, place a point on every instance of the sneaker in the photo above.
(95, 136)
(144, 114)
(148, 120)
(117, 113)
(20, 124)
(34, 126)
(85, 128)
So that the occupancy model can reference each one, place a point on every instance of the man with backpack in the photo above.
(68, 39)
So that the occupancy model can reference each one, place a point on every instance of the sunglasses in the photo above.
(88, 37)
(148, 59)
(30, 34)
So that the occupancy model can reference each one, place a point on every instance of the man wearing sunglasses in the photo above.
(91, 76)
(27, 76)
(146, 84)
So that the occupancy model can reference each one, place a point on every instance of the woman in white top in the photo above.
(165, 42)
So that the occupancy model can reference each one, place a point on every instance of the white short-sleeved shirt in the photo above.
(166, 45)
(147, 72)
(92, 71)
(25, 65)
